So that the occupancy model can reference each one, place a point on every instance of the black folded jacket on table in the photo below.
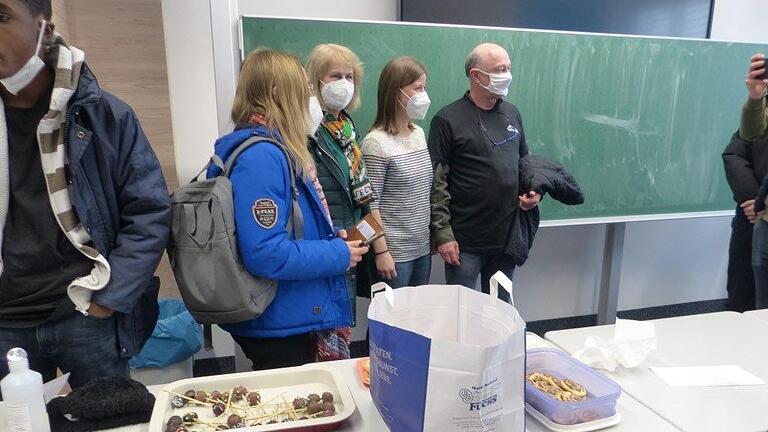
(103, 403)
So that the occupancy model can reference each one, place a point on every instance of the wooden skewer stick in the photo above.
(276, 397)
(248, 406)
(232, 407)
(195, 401)
(290, 410)
(277, 413)
(229, 399)
(213, 425)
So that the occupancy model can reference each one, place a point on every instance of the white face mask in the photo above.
(499, 83)
(315, 115)
(21, 79)
(337, 94)
(417, 105)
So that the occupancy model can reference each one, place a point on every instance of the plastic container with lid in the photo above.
(22, 391)
(602, 393)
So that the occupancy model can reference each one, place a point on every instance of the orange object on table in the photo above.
(364, 370)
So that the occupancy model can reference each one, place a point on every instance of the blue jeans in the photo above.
(760, 262)
(412, 273)
(83, 345)
(484, 264)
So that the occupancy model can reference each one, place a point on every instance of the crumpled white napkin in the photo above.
(52, 388)
(632, 342)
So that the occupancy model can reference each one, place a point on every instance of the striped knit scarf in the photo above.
(67, 62)
(343, 132)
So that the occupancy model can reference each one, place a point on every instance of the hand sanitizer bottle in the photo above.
(22, 393)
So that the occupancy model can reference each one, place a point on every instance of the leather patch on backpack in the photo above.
(265, 213)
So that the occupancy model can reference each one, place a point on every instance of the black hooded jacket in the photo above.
(543, 176)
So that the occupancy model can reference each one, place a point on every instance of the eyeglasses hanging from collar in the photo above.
(510, 133)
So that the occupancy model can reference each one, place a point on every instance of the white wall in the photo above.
(189, 56)
(664, 262)
(379, 10)
(740, 21)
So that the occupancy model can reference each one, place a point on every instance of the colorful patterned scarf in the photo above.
(343, 132)
(311, 171)
(67, 62)
(333, 345)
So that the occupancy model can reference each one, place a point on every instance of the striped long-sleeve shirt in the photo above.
(401, 175)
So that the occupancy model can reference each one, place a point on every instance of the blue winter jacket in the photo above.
(311, 292)
(120, 196)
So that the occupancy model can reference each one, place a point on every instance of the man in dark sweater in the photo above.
(476, 144)
(84, 210)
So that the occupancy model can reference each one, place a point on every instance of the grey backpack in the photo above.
(205, 258)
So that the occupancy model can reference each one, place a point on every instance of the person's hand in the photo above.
(749, 210)
(756, 86)
(529, 200)
(450, 252)
(98, 311)
(343, 234)
(386, 266)
(356, 252)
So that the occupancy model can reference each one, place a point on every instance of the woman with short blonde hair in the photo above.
(322, 59)
(272, 101)
(396, 154)
(336, 75)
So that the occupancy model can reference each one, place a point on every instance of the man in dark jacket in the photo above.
(84, 211)
(753, 127)
(746, 163)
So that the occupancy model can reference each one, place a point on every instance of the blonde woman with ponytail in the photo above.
(273, 101)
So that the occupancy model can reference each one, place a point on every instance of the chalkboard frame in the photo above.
(401, 7)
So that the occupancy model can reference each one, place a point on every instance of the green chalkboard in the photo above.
(641, 122)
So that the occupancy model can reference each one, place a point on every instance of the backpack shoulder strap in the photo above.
(207, 337)
(296, 222)
(215, 160)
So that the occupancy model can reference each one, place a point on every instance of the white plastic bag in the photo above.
(448, 358)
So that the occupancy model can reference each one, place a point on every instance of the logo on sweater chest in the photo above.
(265, 213)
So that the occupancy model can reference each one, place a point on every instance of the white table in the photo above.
(698, 340)
(635, 417)
(761, 314)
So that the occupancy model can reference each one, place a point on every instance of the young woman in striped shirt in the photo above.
(396, 155)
